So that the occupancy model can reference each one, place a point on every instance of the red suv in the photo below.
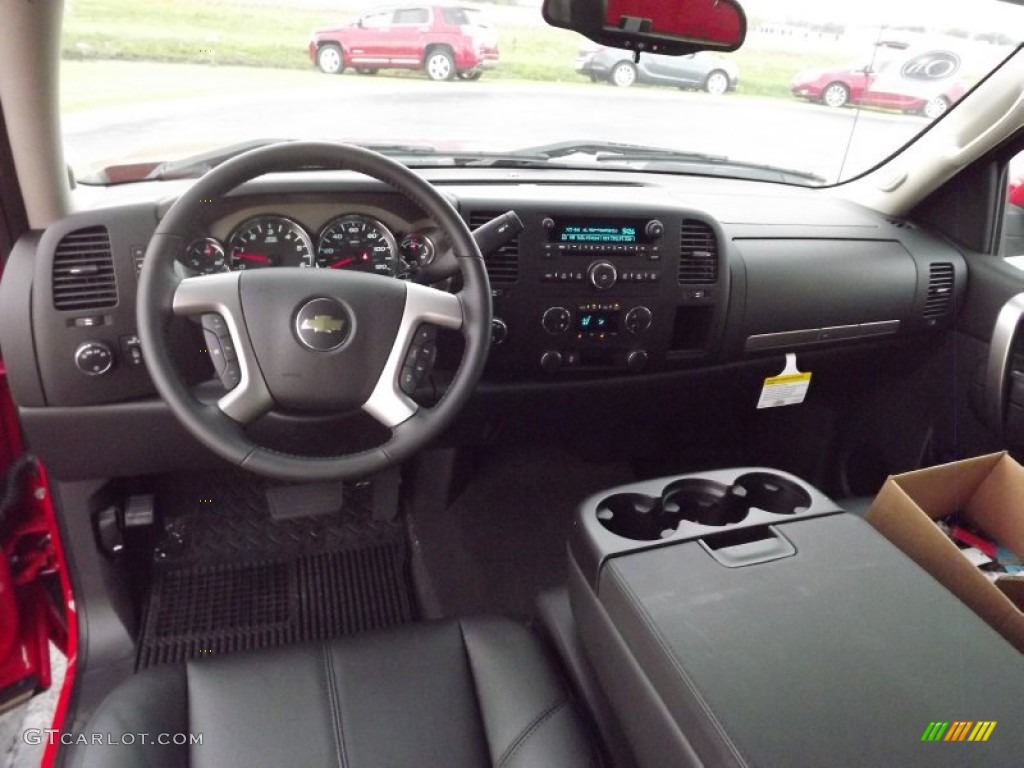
(443, 40)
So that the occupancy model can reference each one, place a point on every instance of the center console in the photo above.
(740, 617)
(594, 290)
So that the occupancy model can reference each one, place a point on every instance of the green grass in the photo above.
(259, 33)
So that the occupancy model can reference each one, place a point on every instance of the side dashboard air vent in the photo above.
(503, 264)
(83, 271)
(698, 254)
(939, 301)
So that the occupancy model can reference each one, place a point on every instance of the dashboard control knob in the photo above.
(637, 360)
(654, 229)
(499, 331)
(638, 320)
(94, 358)
(602, 275)
(551, 361)
(547, 222)
(556, 320)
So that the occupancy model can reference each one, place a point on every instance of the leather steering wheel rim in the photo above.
(160, 288)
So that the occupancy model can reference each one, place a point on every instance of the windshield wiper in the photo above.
(700, 162)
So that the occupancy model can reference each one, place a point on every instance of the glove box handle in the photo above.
(748, 546)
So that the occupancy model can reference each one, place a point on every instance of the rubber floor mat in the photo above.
(229, 577)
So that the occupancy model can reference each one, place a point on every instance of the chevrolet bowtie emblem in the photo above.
(323, 324)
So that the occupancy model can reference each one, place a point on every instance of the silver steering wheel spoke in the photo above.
(250, 398)
(388, 404)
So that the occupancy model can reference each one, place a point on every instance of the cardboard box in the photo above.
(989, 491)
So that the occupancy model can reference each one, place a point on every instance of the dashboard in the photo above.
(615, 278)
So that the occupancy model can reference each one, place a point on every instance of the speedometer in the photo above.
(357, 242)
(269, 241)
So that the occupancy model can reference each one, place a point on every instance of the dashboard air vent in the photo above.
(940, 291)
(83, 271)
(901, 223)
(698, 254)
(503, 264)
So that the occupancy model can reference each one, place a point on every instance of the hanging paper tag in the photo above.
(788, 388)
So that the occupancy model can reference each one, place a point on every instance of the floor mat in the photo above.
(227, 576)
(503, 540)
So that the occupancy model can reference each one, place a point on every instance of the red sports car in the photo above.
(924, 83)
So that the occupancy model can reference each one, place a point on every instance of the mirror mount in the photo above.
(672, 27)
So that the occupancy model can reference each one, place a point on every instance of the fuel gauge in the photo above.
(205, 256)
(417, 250)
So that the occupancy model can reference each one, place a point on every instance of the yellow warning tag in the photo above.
(788, 388)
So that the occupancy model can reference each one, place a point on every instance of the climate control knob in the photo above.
(637, 360)
(551, 361)
(556, 320)
(94, 358)
(638, 320)
(602, 275)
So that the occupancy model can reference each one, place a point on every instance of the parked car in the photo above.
(923, 82)
(707, 71)
(445, 41)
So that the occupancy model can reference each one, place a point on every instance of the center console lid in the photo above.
(739, 617)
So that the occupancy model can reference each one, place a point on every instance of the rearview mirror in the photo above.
(673, 27)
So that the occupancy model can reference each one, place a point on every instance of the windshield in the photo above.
(819, 93)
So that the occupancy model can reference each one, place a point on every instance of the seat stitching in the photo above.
(530, 730)
(332, 700)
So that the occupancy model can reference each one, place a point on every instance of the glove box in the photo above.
(740, 617)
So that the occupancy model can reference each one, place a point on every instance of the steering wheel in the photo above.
(313, 339)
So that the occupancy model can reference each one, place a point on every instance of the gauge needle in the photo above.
(253, 257)
(342, 263)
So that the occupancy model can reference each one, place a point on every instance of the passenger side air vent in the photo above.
(939, 301)
(698, 254)
(503, 264)
(83, 271)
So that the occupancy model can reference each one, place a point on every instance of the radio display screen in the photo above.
(598, 231)
(597, 321)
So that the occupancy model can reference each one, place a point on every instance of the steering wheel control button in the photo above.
(419, 360)
(94, 358)
(221, 349)
(556, 320)
(323, 324)
(602, 275)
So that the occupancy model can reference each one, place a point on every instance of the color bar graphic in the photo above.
(958, 730)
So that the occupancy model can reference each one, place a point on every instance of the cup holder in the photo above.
(771, 493)
(703, 502)
(641, 517)
(636, 516)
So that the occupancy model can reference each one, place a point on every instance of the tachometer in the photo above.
(357, 242)
(269, 241)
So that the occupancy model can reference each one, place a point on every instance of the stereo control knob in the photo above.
(94, 358)
(638, 320)
(499, 331)
(654, 229)
(547, 222)
(551, 361)
(556, 320)
(637, 360)
(602, 275)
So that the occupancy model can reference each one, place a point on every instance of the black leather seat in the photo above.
(476, 692)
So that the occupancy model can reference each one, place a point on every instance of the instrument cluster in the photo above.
(350, 241)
